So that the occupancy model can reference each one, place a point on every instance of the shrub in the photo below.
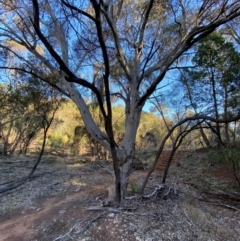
(57, 140)
(228, 155)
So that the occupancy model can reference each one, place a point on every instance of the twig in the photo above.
(110, 209)
(90, 222)
(119, 210)
(68, 233)
(159, 187)
(219, 204)
(191, 222)
(165, 195)
(132, 197)
(14, 185)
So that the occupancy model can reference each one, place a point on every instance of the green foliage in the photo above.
(228, 155)
(215, 77)
(134, 188)
(57, 140)
(28, 107)
(66, 119)
(152, 123)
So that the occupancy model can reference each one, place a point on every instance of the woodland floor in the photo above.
(201, 201)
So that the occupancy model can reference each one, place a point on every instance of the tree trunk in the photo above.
(124, 177)
(41, 152)
(207, 142)
(226, 127)
(219, 141)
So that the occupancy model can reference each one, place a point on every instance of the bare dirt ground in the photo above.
(63, 202)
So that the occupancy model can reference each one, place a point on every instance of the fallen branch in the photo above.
(110, 209)
(219, 204)
(14, 185)
(90, 222)
(69, 232)
(156, 190)
(119, 210)
(191, 222)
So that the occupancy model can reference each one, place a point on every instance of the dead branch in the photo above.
(110, 209)
(192, 118)
(14, 185)
(190, 222)
(156, 190)
(219, 204)
(71, 229)
(90, 222)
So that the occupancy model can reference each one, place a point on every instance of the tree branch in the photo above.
(70, 76)
(193, 37)
(192, 118)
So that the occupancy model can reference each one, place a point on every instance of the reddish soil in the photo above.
(60, 213)
(48, 217)
(224, 172)
(164, 158)
(221, 171)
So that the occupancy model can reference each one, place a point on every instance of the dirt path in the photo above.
(54, 207)
(49, 215)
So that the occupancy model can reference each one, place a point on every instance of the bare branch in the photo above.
(192, 118)
(78, 10)
(144, 23)
(193, 37)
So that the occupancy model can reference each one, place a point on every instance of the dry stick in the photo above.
(197, 117)
(110, 209)
(212, 202)
(118, 210)
(191, 222)
(159, 187)
(71, 229)
(90, 222)
(219, 204)
(14, 185)
(236, 177)
(8, 182)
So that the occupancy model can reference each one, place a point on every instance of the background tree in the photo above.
(212, 86)
(26, 104)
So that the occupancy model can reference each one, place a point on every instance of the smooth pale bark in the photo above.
(125, 152)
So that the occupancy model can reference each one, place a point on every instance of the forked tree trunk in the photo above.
(124, 153)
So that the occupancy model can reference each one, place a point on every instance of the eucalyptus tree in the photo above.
(74, 39)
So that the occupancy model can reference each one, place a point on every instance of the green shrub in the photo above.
(230, 156)
(227, 155)
(57, 140)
